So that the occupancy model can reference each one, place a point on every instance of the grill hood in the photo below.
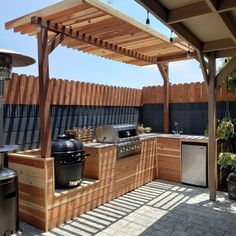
(116, 133)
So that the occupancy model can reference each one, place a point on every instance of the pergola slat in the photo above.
(58, 28)
(103, 24)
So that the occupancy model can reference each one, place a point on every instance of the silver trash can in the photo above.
(9, 218)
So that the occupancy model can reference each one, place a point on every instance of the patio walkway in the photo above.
(158, 208)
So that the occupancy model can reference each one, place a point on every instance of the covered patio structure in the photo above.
(209, 27)
(93, 27)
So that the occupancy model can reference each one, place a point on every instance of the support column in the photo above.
(164, 70)
(44, 92)
(212, 144)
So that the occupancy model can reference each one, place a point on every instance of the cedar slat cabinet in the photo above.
(45, 207)
(134, 171)
(169, 159)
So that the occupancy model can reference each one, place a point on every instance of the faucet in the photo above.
(176, 131)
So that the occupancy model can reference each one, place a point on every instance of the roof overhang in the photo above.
(208, 25)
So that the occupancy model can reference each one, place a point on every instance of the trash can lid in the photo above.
(6, 173)
(232, 176)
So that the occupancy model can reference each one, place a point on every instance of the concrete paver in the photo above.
(159, 208)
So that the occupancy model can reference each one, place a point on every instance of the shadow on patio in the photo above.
(157, 208)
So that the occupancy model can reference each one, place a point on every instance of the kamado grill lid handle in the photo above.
(63, 136)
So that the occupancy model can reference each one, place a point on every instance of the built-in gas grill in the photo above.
(124, 136)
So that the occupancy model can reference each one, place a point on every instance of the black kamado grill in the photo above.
(9, 220)
(69, 156)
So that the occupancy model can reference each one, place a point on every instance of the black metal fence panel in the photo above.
(21, 122)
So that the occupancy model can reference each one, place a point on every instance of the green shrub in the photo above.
(225, 129)
(227, 159)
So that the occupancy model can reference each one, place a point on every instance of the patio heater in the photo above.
(9, 220)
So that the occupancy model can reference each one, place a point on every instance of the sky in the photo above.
(74, 65)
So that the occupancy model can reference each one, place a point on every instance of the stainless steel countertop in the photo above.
(98, 145)
(183, 137)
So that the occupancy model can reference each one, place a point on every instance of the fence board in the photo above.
(22, 89)
(73, 93)
(184, 93)
(83, 93)
(101, 95)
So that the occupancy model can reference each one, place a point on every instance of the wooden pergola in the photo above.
(209, 26)
(93, 27)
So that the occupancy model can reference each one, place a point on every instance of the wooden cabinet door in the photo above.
(169, 159)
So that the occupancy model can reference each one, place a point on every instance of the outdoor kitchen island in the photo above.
(169, 153)
(105, 178)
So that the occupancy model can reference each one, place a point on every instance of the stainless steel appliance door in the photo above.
(194, 164)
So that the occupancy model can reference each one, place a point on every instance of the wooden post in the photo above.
(164, 70)
(166, 105)
(212, 146)
(44, 93)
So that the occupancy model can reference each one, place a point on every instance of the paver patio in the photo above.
(157, 208)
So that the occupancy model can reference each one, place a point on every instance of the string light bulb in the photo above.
(188, 53)
(171, 37)
(147, 20)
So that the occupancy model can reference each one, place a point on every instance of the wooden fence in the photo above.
(184, 93)
(22, 89)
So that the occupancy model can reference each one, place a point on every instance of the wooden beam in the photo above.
(230, 24)
(218, 45)
(197, 9)
(203, 66)
(226, 5)
(188, 36)
(212, 146)
(226, 53)
(224, 18)
(176, 57)
(54, 42)
(44, 93)
(224, 72)
(59, 28)
(164, 70)
(161, 13)
(183, 13)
